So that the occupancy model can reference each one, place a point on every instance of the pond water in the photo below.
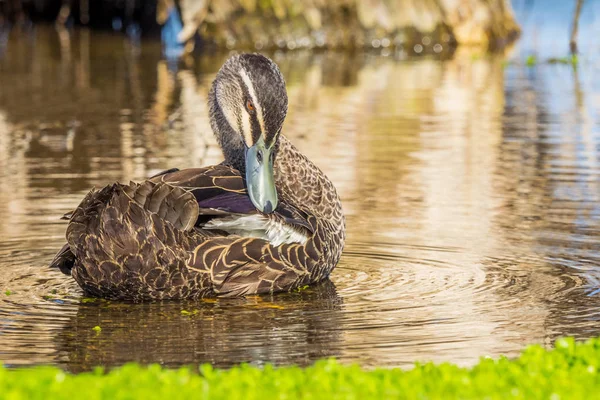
(471, 189)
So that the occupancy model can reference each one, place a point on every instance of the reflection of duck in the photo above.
(291, 328)
(208, 231)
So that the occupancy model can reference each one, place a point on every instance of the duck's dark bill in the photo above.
(259, 177)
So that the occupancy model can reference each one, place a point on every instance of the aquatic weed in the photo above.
(89, 300)
(531, 61)
(572, 60)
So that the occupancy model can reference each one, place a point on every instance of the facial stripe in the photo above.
(246, 128)
(229, 113)
(257, 106)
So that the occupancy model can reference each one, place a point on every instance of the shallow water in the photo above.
(471, 189)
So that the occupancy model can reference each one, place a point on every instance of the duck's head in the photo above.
(248, 104)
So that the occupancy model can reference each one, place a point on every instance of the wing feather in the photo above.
(220, 192)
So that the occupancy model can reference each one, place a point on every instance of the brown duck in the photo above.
(265, 220)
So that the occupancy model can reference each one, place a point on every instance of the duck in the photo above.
(265, 220)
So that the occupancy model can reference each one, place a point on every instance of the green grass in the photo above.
(570, 371)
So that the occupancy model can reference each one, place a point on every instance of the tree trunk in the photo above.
(575, 27)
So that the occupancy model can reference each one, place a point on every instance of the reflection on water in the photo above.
(472, 193)
(215, 331)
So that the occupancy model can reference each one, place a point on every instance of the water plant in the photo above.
(570, 370)
(572, 60)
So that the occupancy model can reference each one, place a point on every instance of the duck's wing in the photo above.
(218, 189)
(129, 224)
(220, 192)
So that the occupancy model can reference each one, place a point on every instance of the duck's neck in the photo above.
(302, 184)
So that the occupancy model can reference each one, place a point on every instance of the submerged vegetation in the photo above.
(570, 370)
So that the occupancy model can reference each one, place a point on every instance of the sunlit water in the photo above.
(471, 189)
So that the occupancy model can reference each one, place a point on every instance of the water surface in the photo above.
(471, 189)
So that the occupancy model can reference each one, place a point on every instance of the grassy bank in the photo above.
(570, 371)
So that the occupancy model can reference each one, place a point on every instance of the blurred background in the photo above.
(285, 24)
(463, 137)
(392, 26)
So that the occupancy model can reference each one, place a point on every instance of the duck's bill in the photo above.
(259, 177)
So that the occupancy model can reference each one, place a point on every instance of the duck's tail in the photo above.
(64, 260)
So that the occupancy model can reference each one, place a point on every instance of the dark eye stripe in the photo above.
(255, 127)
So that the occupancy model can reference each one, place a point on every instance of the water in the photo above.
(471, 189)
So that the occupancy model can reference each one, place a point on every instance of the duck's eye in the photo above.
(249, 106)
